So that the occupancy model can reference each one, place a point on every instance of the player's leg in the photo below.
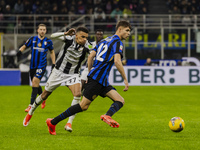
(45, 94)
(37, 102)
(40, 92)
(31, 74)
(118, 102)
(53, 82)
(36, 75)
(76, 91)
(90, 93)
(116, 106)
(83, 105)
(35, 86)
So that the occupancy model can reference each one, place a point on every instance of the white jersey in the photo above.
(72, 56)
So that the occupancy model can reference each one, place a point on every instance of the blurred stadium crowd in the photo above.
(105, 12)
(72, 6)
(183, 6)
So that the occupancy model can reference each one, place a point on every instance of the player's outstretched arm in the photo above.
(58, 35)
(61, 35)
(120, 68)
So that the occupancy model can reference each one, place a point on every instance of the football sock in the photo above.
(34, 94)
(69, 112)
(39, 90)
(76, 100)
(114, 108)
(37, 102)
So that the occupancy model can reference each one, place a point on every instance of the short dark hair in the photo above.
(83, 29)
(43, 25)
(123, 23)
(99, 30)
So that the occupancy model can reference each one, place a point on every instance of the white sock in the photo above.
(76, 100)
(37, 102)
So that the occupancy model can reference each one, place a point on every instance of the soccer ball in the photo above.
(176, 124)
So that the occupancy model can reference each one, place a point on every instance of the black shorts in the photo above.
(94, 88)
(39, 73)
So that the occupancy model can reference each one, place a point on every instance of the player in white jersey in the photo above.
(73, 54)
(99, 37)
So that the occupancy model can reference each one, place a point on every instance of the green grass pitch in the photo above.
(143, 120)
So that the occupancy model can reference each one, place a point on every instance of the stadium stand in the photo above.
(175, 20)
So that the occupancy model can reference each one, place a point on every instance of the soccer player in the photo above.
(73, 54)
(99, 37)
(39, 47)
(106, 53)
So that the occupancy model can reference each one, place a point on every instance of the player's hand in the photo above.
(53, 65)
(70, 32)
(86, 81)
(126, 85)
(19, 53)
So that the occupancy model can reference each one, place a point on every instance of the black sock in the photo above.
(69, 112)
(39, 90)
(34, 94)
(114, 108)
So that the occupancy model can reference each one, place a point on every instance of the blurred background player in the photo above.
(72, 55)
(39, 47)
(106, 53)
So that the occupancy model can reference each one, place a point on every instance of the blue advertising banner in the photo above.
(10, 77)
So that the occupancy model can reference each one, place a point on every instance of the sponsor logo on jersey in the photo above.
(90, 46)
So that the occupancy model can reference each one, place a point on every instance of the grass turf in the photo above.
(143, 120)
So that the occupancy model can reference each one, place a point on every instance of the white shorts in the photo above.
(84, 74)
(57, 77)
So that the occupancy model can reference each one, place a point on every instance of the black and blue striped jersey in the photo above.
(104, 59)
(39, 49)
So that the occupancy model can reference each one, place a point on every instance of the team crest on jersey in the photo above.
(121, 47)
(39, 44)
(45, 43)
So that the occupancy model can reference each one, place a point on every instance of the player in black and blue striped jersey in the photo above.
(39, 47)
(107, 53)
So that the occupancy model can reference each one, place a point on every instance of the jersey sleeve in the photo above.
(96, 48)
(29, 42)
(61, 36)
(50, 45)
(118, 47)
